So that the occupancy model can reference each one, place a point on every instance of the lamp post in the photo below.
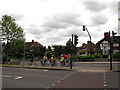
(84, 28)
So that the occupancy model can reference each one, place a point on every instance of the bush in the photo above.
(15, 62)
(96, 55)
(116, 55)
(4, 58)
(82, 57)
(27, 56)
(105, 56)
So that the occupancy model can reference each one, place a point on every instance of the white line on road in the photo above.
(65, 77)
(53, 84)
(18, 77)
(45, 70)
(6, 76)
(104, 81)
(105, 85)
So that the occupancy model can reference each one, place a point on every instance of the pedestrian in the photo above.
(31, 60)
(45, 59)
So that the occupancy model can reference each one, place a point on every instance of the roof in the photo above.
(117, 40)
(86, 45)
(34, 43)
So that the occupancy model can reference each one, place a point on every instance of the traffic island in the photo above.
(34, 67)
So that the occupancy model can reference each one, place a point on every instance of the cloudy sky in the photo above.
(54, 21)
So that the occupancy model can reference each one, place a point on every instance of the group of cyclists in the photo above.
(64, 60)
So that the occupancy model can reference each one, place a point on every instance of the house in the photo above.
(85, 48)
(30, 47)
(103, 46)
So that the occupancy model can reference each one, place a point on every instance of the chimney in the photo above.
(83, 44)
(32, 41)
(88, 42)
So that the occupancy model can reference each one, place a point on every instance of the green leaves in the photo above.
(10, 30)
(14, 35)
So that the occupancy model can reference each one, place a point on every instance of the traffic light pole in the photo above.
(90, 43)
(110, 56)
(71, 54)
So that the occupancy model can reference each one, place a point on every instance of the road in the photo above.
(36, 78)
(31, 78)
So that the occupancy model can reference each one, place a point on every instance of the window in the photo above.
(115, 44)
(115, 51)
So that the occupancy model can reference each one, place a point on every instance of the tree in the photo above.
(16, 48)
(10, 30)
(70, 48)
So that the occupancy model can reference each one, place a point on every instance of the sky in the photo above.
(52, 22)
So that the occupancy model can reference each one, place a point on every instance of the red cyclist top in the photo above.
(66, 57)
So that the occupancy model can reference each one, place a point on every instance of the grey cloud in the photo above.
(69, 18)
(55, 24)
(77, 31)
(99, 20)
(114, 6)
(95, 6)
(17, 16)
(62, 21)
(35, 31)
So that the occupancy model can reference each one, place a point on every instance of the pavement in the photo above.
(75, 68)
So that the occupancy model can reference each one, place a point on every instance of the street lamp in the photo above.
(84, 28)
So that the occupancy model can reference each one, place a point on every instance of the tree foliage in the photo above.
(10, 30)
(58, 50)
(70, 49)
(13, 35)
(16, 48)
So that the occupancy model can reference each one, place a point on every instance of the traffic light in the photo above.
(113, 36)
(49, 48)
(106, 35)
(75, 39)
(83, 27)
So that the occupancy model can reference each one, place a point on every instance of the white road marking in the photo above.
(45, 70)
(65, 77)
(88, 70)
(6, 76)
(104, 81)
(18, 77)
(105, 85)
(53, 84)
